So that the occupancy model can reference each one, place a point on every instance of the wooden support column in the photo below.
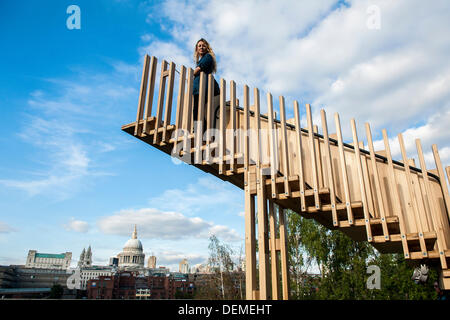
(412, 196)
(209, 117)
(169, 97)
(187, 114)
(263, 245)
(222, 140)
(142, 92)
(233, 126)
(273, 145)
(315, 174)
(273, 251)
(361, 182)
(200, 116)
(180, 105)
(150, 93)
(395, 196)
(159, 110)
(283, 253)
(301, 177)
(246, 134)
(329, 168)
(250, 242)
(285, 148)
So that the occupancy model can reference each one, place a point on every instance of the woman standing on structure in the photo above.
(205, 60)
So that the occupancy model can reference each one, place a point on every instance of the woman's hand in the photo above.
(197, 71)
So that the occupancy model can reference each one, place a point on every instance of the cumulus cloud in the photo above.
(155, 224)
(77, 225)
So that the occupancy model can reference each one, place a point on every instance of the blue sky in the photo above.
(69, 177)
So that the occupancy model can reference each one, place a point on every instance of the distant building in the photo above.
(59, 261)
(151, 262)
(184, 266)
(132, 257)
(113, 262)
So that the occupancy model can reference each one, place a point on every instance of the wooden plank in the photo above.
(329, 165)
(343, 165)
(432, 205)
(200, 116)
(263, 245)
(394, 195)
(382, 203)
(187, 113)
(232, 125)
(315, 175)
(370, 198)
(258, 129)
(285, 148)
(142, 92)
(283, 254)
(441, 175)
(180, 105)
(301, 177)
(320, 171)
(169, 97)
(150, 93)
(246, 133)
(412, 196)
(273, 251)
(159, 110)
(209, 117)
(273, 146)
(250, 243)
(222, 147)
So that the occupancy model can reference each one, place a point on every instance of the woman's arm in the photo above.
(204, 64)
(197, 70)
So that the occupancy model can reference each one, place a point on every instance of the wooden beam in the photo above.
(361, 181)
(187, 113)
(395, 196)
(263, 245)
(273, 145)
(301, 177)
(150, 93)
(412, 196)
(180, 105)
(441, 175)
(283, 253)
(315, 175)
(232, 125)
(209, 116)
(273, 251)
(250, 243)
(222, 147)
(200, 116)
(329, 165)
(246, 134)
(159, 110)
(142, 92)
(169, 97)
(285, 148)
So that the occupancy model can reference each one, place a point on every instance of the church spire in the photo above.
(134, 236)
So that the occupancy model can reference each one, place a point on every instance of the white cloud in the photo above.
(155, 224)
(77, 225)
(5, 228)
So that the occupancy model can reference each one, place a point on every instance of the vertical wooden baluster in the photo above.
(381, 200)
(159, 110)
(233, 125)
(329, 168)
(200, 116)
(285, 148)
(361, 181)
(150, 93)
(263, 246)
(315, 175)
(246, 134)
(209, 115)
(443, 181)
(432, 205)
(187, 114)
(396, 198)
(301, 177)
(344, 170)
(168, 108)
(142, 92)
(273, 146)
(258, 131)
(412, 196)
(180, 104)
(283, 253)
(273, 251)
(222, 147)
(320, 171)
(250, 241)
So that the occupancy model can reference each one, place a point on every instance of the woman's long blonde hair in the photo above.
(209, 50)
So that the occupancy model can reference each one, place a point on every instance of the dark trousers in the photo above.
(195, 110)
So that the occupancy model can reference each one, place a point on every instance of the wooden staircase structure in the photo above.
(394, 205)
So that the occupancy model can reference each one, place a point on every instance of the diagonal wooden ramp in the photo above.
(397, 206)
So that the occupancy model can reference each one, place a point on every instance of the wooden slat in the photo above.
(361, 181)
(169, 97)
(273, 145)
(395, 196)
(250, 243)
(320, 171)
(273, 251)
(200, 116)
(301, 177)
(233, 125)
(142, 92)
(432, 205)
(246, 133)
(382, 203)
(150, 93)
(441, 175)
(284, 254)
(180, 105)
(315, 175)
(209, 117)
(285, 148)
(329, 168)
(412, 196)
(222, 147)
(258, 129)
(159, 110)
(343, 165)
(263, 245)
(187, 113)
